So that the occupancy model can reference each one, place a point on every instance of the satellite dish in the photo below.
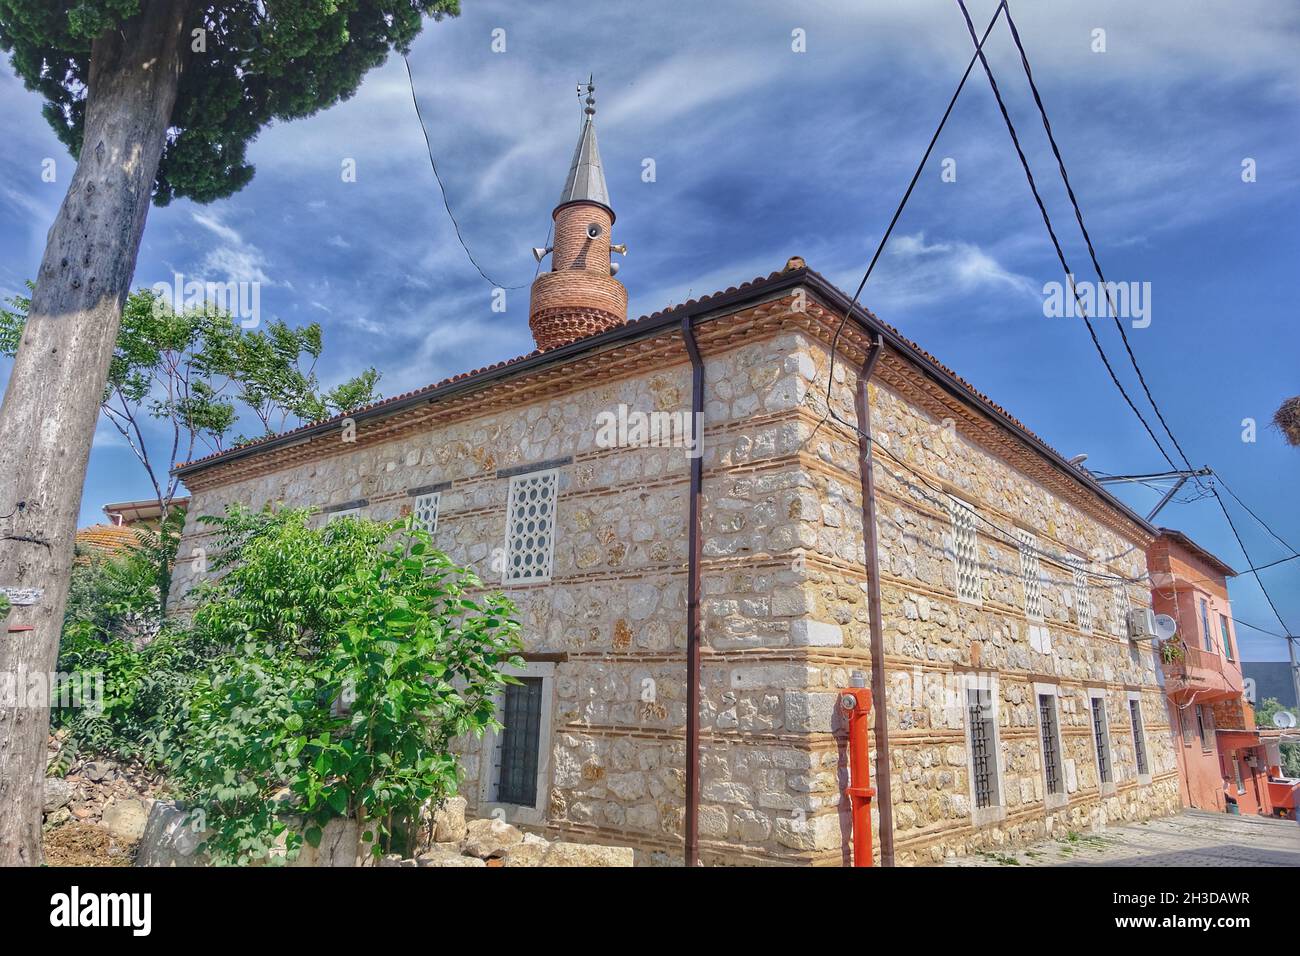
(1284, 720)
(1166, 627)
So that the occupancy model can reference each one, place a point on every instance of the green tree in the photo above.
(199, 373)
(156, 99)
(355, 655)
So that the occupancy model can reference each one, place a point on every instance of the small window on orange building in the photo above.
(1227, 637)
(1200, 728)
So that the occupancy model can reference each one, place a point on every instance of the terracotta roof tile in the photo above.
(107, 539)
(756, 284)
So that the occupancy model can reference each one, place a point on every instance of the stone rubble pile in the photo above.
(100, 792)
(494, 842)
(451, 841)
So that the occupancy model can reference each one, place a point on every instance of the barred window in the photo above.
(1101, 739)
(519, 743)
(1031, 576)
(530, 527)
(983, 762)
(965, 550)
(426, 511)
(1139, 743)
(1082, 595)
(345, 513)
(1051, 743)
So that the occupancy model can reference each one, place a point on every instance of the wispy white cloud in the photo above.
(235, 260)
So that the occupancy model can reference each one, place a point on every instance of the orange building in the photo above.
(1221, 760)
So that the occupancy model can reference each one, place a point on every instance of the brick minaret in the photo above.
(579, 296)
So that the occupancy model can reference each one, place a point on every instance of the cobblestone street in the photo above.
(1193, 838)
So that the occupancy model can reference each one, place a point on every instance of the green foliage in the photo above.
(131, 670)
(197, 371)
(130, 696)
(260, 62)
(354, 655)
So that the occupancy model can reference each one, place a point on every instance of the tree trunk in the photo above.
(47, 422)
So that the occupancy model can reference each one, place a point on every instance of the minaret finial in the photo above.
(590, 86)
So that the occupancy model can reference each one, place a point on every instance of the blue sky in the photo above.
(761, 153)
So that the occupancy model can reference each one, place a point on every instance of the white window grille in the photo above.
(965, 550)
(1119, 594)
(1031, 576)
(426, 511)
(1082, 597)
(530, 527)
(345, 513)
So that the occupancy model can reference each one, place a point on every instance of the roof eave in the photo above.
(719, 304)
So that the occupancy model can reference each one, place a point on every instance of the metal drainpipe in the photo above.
(885, 800)
(692, 850)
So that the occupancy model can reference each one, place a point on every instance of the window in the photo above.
(1227, 636)
(530, 527)
(1051, 744)
(983, 760)
(517, 752)
(1200, 727)
(345, 513)
(1185, 725)
(516, 758)
(965, 550)
(1031, 576)
(1205, 626)
(426, 511)
(1082, 597)
(1101, 739)
(1139, 741)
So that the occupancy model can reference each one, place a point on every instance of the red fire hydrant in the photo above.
(855, 702)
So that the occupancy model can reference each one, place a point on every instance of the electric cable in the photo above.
(443, 190)
(1051, 232)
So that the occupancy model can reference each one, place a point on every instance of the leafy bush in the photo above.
(130, 672)
(129, 701)
(354, 655)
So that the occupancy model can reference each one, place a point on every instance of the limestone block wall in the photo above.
(784, 610)
(612, 618)
(936, 643)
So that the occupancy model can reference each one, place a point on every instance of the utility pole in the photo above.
(1180, 476)
(1295, 671)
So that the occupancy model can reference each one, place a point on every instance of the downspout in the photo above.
(885, 801)
(692, 849)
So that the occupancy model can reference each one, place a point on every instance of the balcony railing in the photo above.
(1197, 666)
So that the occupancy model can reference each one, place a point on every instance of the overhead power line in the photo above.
(1051, 232)
(1263, 524)
(1092, 252)
(1006, 116)
(443, 189)
(907, 194)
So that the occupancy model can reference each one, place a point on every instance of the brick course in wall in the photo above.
(784, 611)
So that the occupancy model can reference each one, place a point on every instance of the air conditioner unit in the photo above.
(1141, 624)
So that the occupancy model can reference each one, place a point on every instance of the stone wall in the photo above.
(784, 610)
(936, 643)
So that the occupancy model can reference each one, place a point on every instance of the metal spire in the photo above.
(586, 180)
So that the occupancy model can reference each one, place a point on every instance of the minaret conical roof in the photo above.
(586, 180)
